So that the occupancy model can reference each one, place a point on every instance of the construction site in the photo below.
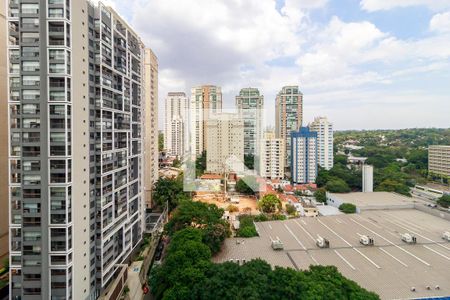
(397, 254)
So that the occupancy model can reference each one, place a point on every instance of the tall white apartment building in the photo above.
(250, 103)
(272, 157)
(304, 156)
(225, 138)
(324, 130)
(75, 101)
(205, 101)
(177, 109)
(288, 115)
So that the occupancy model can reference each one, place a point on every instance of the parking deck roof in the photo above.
(390, 267)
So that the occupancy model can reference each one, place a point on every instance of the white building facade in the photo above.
(304, 156)
(367, 179)
(272, 157)
(176, 118)
(324, 130)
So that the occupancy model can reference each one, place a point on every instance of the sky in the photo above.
(365, 64)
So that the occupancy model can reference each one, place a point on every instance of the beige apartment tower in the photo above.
(205, 100)
(288, 116)
(150, 124)
(225, 138)
(3, 137)
(439, 160)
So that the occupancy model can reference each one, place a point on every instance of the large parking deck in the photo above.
(390, 267)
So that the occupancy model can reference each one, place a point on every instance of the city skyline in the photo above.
(349, 59)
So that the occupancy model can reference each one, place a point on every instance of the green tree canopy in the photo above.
(347, 208)
(169, 190)
(269, 203)
(337, 185)
(246, 185)
(320, 195)
(444, 201)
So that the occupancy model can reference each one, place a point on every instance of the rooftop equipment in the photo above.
(322, 242)
(366, 240)
(277, 244)
(409, 238)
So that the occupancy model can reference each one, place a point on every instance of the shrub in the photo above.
(232, 208)
(246, 227)
(444, 201)
(347, 208)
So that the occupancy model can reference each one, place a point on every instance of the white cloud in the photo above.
(440, 22)
(376, 5)
(341, 67)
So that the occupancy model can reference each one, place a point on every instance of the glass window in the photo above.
(30, 8)
(30, 66)
(55, 13)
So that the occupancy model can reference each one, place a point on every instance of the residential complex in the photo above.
(205, 100)
(324, 130)
(304, 157)
(439, 160)
(76, 98)
(225, 138)
(272, 157)
(150, 121)
(177, 110)
(250, 104)
(288, 115)
(4, 165)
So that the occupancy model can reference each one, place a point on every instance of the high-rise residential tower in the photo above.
(4, 164)
(177, 110)
(150, 130)
(225, 136)
(288, 115)
(250, 104)
(272, 157)
(304, 156)
(75, 148)
(324, 130)
(205, 100)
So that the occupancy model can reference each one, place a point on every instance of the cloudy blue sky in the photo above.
(363, 63)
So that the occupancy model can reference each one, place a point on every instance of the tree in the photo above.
(176, 163)
(169, 190)
(444, 201)
(347, 208)
(320, 195)
(200, 164)
(340, 159)
(337, 185)
(269, 203)
(207, 217)
(160, 141)
(390, 185)
(291, 210)
(249, 161)
(246, 185)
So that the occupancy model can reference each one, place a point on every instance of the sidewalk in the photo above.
(133, 282)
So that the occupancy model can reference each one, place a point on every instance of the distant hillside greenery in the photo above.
(385, 150)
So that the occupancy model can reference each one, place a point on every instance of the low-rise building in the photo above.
(439, 160)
